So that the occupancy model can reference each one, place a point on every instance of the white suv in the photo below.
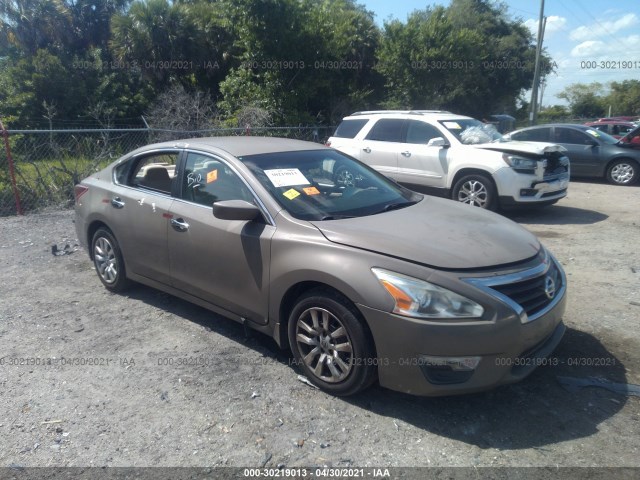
(458, 156)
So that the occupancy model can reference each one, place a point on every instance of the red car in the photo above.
(615, 128)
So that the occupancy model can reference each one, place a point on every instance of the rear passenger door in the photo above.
(139, 206)
(381, 146)
(420, 165)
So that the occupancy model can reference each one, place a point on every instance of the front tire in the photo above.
(330, 343)
(108, 260)
(477, 190)
(623, 172)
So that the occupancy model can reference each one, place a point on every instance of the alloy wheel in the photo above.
(324, 345)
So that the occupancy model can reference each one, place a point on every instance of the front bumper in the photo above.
(530, 189)
(509, 347)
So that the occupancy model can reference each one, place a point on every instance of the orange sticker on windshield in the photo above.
(212, 176)
(311, 191)
(291, 194)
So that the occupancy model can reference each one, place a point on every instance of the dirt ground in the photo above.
(89, 378)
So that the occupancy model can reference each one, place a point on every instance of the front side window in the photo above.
(420, 132)
(326, 185)
(156, 172)
(533, 135)
(568, 135)
(387, 130)
(207, 180)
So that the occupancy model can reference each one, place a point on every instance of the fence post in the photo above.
(12, 172)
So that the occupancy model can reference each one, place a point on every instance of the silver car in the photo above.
(363, 283)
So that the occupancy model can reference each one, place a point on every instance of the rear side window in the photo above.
(387, 130)
(350, 128)
(535, 135)
(155, 172)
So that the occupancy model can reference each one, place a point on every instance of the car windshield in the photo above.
(471, 131)
(326, 185)
(602, 136)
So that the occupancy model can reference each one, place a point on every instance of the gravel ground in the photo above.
(146, 379)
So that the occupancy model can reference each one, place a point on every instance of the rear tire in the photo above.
(107, 258)
(623, 172)
(330, 343)
(477, 190)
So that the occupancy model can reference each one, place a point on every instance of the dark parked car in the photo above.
(364, 283)
(592, 153)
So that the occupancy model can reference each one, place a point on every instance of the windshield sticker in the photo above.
(311, 191)
(286, 177)
(452, 125)
(593, 132)
(291, 194)
(212, 176)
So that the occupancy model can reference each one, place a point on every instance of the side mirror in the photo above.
(235, 210)
(437, 142)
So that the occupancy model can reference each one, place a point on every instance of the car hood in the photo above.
(536, 148)
(438, 233)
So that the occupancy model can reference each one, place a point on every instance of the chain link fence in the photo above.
(47, 164)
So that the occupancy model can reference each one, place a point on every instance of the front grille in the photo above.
(533, 294)
(556, 164)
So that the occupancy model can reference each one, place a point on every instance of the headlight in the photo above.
(417, 298)
(520, 163)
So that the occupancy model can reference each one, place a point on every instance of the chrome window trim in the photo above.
(484, 284)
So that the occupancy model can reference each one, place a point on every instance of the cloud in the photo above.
(553, 25)
(596, 48)
(604, 28)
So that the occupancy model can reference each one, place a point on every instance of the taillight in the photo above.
(79, 191)
(328, 143)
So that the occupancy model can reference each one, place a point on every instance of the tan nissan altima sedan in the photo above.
(361, 278)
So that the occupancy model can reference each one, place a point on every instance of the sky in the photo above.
(579, 35)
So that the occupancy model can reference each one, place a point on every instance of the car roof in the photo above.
(609, 122)
(570, 125)
(239, 145)
(431, 114)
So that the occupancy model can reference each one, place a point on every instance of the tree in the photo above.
(585, 100)
(468, 57)
(624, 98)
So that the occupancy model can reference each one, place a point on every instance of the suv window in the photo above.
(534, 135)
(155, 172)
(350, 128)
(207, 180)
(420, 132)
(387, 130)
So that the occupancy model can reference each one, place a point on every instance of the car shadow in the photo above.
(555, 215)
(535, 413)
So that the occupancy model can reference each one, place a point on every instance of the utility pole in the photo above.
(533, 112)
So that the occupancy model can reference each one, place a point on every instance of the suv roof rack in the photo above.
(406, 112)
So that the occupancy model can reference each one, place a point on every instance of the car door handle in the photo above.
(406, 153)
(367, 149)
(117, 202)
(179, 225)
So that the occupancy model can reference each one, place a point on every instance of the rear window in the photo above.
(350, 128)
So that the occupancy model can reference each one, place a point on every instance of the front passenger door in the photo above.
(224, 262)
(420, 165)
